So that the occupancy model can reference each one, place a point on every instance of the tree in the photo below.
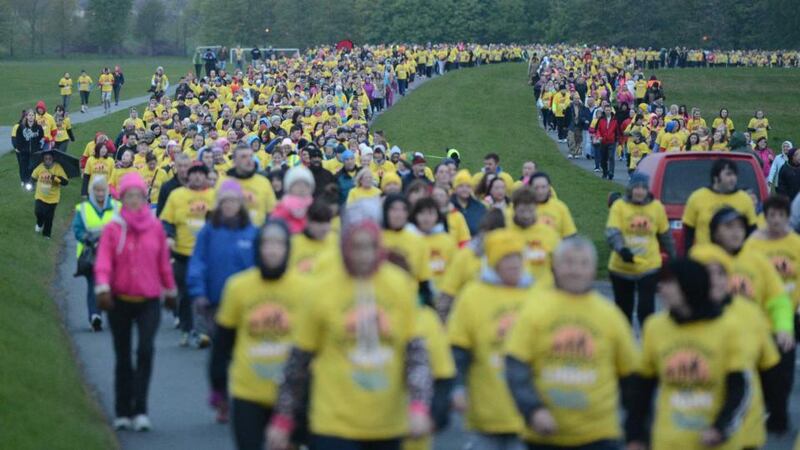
(60, 23)
(108, 23)
(148, 23)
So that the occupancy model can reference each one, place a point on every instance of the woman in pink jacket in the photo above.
(132, 272)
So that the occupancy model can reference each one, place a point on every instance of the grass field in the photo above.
(742, 91)
(25, 82)
(44, 402)
(491, 109)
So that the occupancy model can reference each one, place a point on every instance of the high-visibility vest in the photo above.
(92, 221)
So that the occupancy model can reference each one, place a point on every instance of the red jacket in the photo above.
(607, 130)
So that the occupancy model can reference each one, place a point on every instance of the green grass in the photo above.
(492, 109)
(25, 82)
(44, 401)
(742, 91)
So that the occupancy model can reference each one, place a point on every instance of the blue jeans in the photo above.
(91, 301)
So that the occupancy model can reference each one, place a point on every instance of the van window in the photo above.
(682, 177)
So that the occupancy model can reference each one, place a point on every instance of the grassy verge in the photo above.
(25, 82)
(492, 109)
(44, 401)
(742, 91)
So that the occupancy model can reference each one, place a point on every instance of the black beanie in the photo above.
(694, 282)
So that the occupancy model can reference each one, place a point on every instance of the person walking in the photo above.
(29, 140)
(257, 317)
(49, 177)
(91, 216)
(607, 132)
(637, 230)
(106, 83)
(65, 89)
(183, 216)
(130, 294)
(119, 80)
(224, 247)
(84, 87)
(566, 355)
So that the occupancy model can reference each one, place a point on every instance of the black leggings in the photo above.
(84, 97)
(625, 293)
(24, 162)
(249, 421)
(44, 216)
(179, 265)
(598, 445)
(132, 384)
(319, 442)
(777, 384)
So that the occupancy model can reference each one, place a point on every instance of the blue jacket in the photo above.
(219, 253)
(473, 213)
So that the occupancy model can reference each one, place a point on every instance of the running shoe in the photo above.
(97, 322)
(141, 423)
(122, 423)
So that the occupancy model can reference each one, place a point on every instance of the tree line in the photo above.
(30, 27)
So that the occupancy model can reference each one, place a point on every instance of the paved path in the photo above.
(94, 112)
(178, 409)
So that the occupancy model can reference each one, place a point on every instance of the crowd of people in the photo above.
(332, 274)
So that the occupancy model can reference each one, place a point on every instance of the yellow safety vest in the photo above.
(92, 221)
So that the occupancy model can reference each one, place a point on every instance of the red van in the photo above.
(674, 176)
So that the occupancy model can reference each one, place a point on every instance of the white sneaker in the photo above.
(122, 423)
(37, 228)
(141, 423)
(570, 157)
(28, 187)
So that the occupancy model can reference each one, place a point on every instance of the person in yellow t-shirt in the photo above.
(65, 89)
(550, 210)
(123, 167)
(255, 323)
(106, 83)
(706, 201)
(364, 187)
(49, 177)
(97, 164)
(154, 176)
(691, 353)
(758, 126)
(637, 230)
(84, 87)
(566, 354)
(724, 122)
(457, 226)
(429, 223)
(757, 345)
(398, 239)
(357, 343)
(637, 149)
(315, 240)
(258, 193)
(482, 318)
(466, 264)
(183, 216)
(540, 239)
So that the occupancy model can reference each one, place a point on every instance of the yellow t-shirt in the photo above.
(358, 332)
(413, 248)
(359, 193)
(186, 209)
(784, 254)
(66, 86)
(84, 83)
(118, 173)
(457, 227)
(637, 152)
(442, 247)
(431, 330)
(760, 125)
(258, 195)
(106, 82)
(48, 190)
(262, 312)
(540, 242)
(154, 179)
(578, 346)
(99, 166)
(760, 353)
(720, 121)
(480, 323)
(704, 203)
(556, 214)
(464, 268)
(690, 362)
(306, 252)
(640, 226)
(755, 278)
